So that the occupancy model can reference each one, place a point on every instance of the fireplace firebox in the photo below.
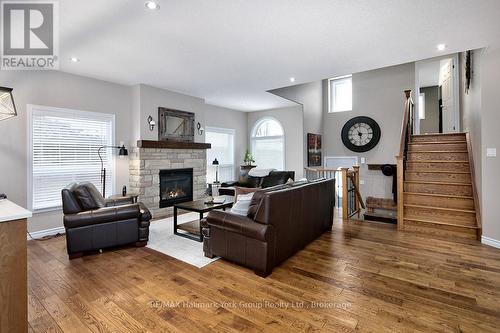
(176, 185)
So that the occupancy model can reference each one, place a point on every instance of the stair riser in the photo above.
(441, 147)
(424, 200)
(461, 218)
(438, 177)
(422, 166)
(427, 138)
(460, 190)
(427, 156)
(439, 230)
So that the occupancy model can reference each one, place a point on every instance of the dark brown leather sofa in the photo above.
(274, 178)
(94, 223)
(280, 222)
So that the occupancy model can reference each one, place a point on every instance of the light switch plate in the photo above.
(361, 182)
(491, 152)
(363, 160)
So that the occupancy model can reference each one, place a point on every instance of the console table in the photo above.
(13, 272)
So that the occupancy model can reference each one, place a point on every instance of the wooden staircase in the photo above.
(437, 186)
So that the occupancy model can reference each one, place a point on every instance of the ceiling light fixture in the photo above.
(75, 59)
(292, 79)
(441, 47)
(152, 5)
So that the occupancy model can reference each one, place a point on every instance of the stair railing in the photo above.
(406, 133)
(352, 202)
(326, 173)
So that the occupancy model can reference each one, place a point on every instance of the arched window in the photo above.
(268, 144)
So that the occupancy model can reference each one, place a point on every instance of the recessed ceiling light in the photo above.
(75, 59)
(292, 79)
(152, 5)
(441, 47)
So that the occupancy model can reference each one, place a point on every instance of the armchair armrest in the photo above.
(118, 201)
(103, 215)
(229, 184)
(238, 224)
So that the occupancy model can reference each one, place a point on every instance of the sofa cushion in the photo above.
(84, 197)
(276, 178)
(259, 196)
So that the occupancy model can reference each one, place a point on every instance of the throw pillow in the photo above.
(240, 207)
(243, 190)
(85, 198)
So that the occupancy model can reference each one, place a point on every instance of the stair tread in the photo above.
(440, 195)
(435, 161)
(437, 183)
(438, 171)
(441, 223)
(438, 151)
(437, 134)
(436, 142)
(442, 208)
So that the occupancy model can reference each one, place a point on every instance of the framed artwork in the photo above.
(313, 149)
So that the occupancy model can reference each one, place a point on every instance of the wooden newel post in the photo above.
(345, 188)
(400, 189)
(356, 182)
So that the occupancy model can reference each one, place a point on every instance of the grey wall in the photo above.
(490, 138)
(378, 94)
(470, 104)
(431, 122)
(131, 106)
(291, 118)
(62, 90)
(310, 96)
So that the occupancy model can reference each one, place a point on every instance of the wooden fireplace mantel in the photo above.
(172, 144)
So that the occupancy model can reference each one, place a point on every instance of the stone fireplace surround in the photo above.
(150, 157)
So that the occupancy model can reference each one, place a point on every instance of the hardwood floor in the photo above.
(362, 276)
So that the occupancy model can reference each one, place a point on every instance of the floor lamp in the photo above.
(122, 152)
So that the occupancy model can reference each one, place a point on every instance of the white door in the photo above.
(446, 81)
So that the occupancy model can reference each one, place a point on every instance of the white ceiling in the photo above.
(231, 52)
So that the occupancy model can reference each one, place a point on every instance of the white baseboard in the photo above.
(46, 232)
(490, 242)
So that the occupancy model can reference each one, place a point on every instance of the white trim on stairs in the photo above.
(46, 232)
(490, 242)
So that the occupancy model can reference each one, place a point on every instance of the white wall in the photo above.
(378, 94)
(56, 89)
(310, 96)
(470, 104)
(291, 118)
(150, 98)
(490, 138)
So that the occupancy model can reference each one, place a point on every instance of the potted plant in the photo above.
(248, 158)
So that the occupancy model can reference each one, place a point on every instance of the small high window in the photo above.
(340, 94)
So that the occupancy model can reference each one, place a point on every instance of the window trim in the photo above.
(29, 169)
(223, 130)
(330, 104)
(253, 138)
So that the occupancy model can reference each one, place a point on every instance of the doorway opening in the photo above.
(437, 102)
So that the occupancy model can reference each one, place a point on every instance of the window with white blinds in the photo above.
(63, 149)
(222, 141)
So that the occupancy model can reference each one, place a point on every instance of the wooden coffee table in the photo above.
(199, 206)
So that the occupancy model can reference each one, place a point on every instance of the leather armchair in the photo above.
(94, 223)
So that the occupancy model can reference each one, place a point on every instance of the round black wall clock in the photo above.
(360, 134)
